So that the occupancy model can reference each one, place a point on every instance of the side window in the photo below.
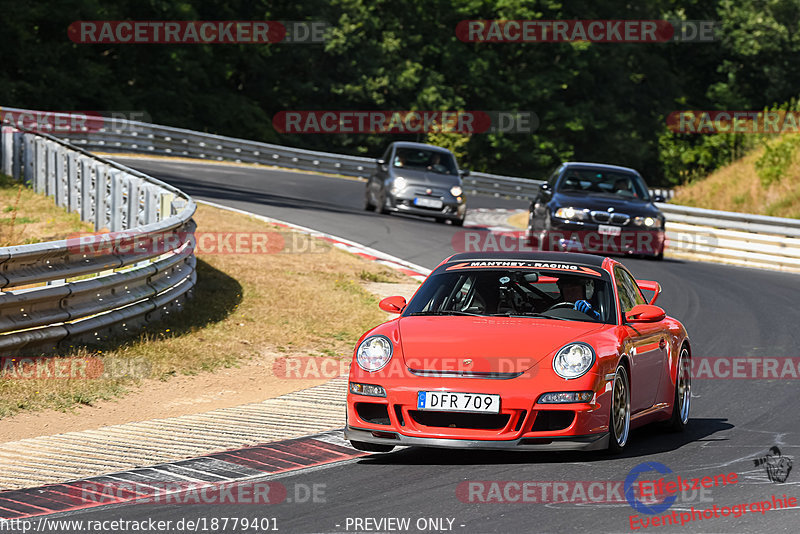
(553, 178)
(628, 291)
(387, 154)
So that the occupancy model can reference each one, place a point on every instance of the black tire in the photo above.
(458, 222)
(371, 447)
(368, 206)
(682, 403)
(441, 220)
(619, 420)
(382, 203)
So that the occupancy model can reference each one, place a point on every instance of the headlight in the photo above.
(649, 222)
(571, 213)
(399, 184)
(374, 353)
(566, 397)
(456, 191)
(573, 360)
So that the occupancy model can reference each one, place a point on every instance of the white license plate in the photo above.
(447, 401)
(428, 203)
(605, 229)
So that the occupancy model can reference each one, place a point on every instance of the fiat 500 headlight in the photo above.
(374, 353)
(456, 190)
(399, 184)
(573, 360)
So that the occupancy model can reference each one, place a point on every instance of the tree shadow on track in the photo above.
(645, 441)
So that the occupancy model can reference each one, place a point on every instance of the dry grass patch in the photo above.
(245, 306)
(28, 217)
(737, 187)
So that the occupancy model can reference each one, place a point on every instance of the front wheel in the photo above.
(458, 222)
(368, 205)
(683, 393)
(619, 423)
(371, 447)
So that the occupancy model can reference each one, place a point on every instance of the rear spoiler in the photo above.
(650, 285)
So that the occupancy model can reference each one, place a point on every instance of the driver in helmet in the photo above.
(573, 290)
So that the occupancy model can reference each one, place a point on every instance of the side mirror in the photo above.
(659, 198)
(393, 304)
(464, 172)
(544, 187)
(381, 162)
(645, 313)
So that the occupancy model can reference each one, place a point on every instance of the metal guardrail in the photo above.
(693, 233)
(144, 270)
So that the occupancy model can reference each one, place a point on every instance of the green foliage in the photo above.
(775, 160)
(601, 102)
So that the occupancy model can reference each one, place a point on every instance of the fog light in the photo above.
(367, 389)
(565, 397)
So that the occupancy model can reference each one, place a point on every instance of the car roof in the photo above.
(563, 257)
(409, 144)
(604, 166)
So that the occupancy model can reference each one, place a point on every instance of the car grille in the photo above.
(547, 420)
(476, 421)
(604, 217)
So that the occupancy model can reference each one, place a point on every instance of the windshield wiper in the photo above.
(530, 314)
(447, 312)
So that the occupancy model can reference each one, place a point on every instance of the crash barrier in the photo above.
(127, 136)
(75, 291)
(734, 238)
(693, 233)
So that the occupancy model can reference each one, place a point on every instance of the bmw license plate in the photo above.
(447, 401)
(428, 203)
(605, 229)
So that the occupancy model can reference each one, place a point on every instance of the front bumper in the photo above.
(586, 237)
(565, 443)
(522, 422)
(452, 208)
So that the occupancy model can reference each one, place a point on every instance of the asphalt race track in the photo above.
(728, 311)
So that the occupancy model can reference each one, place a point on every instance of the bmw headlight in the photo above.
(399, 184)
(573, 360)
(456, 190)
(571, 213)
(647, 222)
(374, 353)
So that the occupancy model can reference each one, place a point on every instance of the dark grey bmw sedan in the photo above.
(418, 179)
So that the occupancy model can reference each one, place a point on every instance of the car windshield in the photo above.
(620, 184)
(431, 160)
(515, 293)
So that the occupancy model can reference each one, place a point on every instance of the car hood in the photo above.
(601, 202)
(423, 177)
(493, 344)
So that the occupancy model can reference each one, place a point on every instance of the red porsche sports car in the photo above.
(539, 350)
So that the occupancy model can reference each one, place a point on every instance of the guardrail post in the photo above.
(50, 168)
(7, 150)
(150, 204)
(101, 215)
(87, 213)
(21, 151)
(115, 220)
(73, 182)
(166, 205)
(133, 202)
(39, 171)
(61, 177)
